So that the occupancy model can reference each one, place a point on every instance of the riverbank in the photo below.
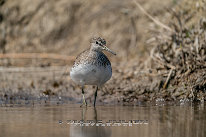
(161, 53)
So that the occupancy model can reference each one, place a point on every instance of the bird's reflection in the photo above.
(89, 131)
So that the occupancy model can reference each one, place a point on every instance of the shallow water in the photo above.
(154, 121)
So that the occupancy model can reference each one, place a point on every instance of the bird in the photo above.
(92, 67)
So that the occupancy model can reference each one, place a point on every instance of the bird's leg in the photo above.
(95, 96)
(84, 103)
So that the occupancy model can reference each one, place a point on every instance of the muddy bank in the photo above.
(175, 67)
(153, 63)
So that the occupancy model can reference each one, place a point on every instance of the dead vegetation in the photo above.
(183, 53)
(175, 68)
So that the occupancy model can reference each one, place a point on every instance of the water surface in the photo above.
(59, 120)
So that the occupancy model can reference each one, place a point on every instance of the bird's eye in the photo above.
(97, 42)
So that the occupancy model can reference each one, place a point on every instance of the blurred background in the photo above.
(66, 26)
(40, 39)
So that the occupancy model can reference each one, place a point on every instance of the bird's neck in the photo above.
(94, 49)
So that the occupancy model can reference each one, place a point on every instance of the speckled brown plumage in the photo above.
(92, 57)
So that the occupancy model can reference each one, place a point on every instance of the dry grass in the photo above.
(183, 53)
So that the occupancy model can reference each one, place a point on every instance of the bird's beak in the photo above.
(109, 50)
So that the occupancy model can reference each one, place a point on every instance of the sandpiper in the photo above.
(92, 67)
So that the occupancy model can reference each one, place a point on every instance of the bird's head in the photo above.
(99, 44)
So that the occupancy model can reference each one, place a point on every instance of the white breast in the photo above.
(89, 74)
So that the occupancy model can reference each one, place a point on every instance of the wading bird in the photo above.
(92, 67)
